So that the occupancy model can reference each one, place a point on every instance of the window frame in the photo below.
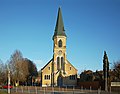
(60, 43)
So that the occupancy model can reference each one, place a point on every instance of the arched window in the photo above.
(58, 63)
(49, 77)
(45, 77)
(62, 63)
(60, 43)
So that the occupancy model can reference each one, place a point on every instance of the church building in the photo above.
(59, 71)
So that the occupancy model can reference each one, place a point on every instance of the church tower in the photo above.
(59, 38)
(59, 71)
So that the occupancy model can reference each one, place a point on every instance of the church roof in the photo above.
(47, 64)
(72, 65)
(59, 29)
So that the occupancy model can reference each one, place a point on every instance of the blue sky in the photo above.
(92, 26)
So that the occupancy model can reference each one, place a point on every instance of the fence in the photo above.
(91, 84)
(53, 90)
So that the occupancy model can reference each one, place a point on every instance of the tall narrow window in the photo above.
(45, 77)
(49, 77)
(58, 63)
(62, 63)
(60, 43)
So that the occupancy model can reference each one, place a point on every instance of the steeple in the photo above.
(59, 29)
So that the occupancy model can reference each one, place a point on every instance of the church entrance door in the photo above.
(60, 81)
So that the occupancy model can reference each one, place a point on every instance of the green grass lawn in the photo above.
(3, 92)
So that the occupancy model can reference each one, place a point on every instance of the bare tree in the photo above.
(116, 70)
(3, 73)
(22, 69)
(14, 65)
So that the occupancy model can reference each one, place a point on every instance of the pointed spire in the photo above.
(59, 29)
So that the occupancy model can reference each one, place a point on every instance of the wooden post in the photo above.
(36, 89)
(59, 88)
(8, 81)
(53, 90)
(99, 90)
(110, 89)
(44, 90)
(81, 88)
(28, 90)
(22, 89)
(73, 89)
(90, 88)
(16, 89)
